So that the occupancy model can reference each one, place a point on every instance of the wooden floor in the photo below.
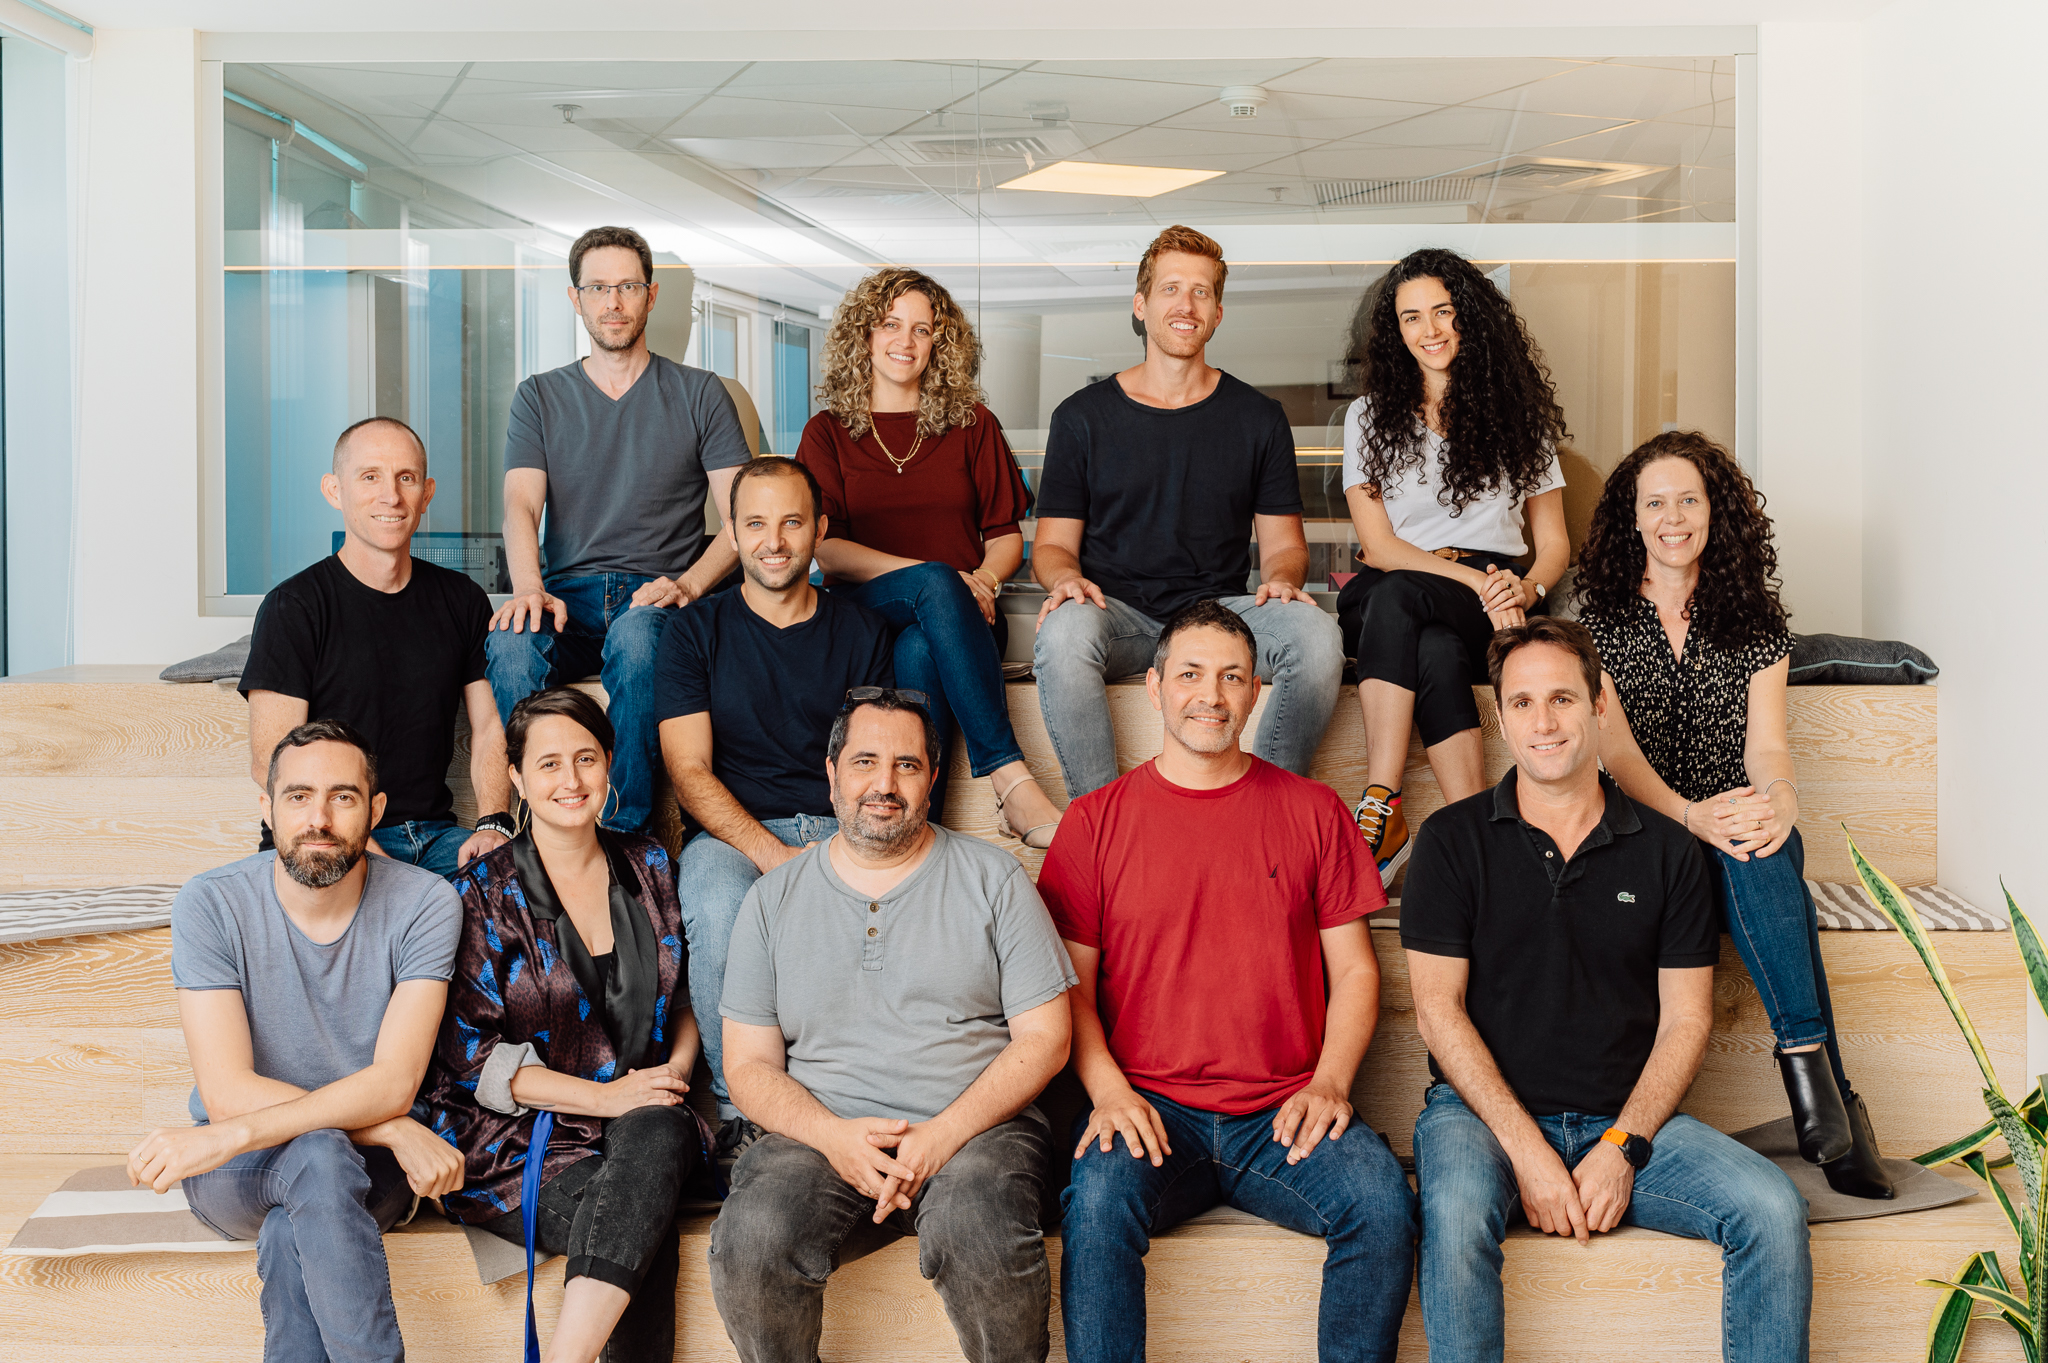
(117, 781)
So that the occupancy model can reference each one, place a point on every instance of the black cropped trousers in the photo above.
(1424, 633)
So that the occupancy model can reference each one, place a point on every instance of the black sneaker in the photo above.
(735, 1134)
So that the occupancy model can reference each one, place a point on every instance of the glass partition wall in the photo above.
(396, 237)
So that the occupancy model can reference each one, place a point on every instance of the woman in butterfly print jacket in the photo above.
(571, 993)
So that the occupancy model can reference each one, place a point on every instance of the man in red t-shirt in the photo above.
(1214, 906)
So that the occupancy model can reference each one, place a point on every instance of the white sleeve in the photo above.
(1553, 477)
(494, 1084)
(1354, 444)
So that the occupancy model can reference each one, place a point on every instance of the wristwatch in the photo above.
(1541, 590)
(501, 824)
(1634, 1149)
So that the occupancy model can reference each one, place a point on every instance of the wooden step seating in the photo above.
(115, 779)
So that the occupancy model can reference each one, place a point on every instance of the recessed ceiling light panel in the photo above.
(1096, 177)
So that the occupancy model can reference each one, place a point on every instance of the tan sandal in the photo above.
(1003, 820)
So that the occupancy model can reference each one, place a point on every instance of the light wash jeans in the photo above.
(317, 1208)
(1081, 647)
(1699, 1184)
(1350, 1191)
(614, 638)
(714, 878)
(434, 844)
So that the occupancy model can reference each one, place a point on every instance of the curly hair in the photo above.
(1501, 419)
(949, 389)
(1736, 600)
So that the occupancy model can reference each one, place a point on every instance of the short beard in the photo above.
(797, 572)
(1179, 346)
(1205, 740)
(319, 870)
(870, 836)
(597, 337)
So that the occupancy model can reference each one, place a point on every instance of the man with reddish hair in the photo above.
(1155, 481)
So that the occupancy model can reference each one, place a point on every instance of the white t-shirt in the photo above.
(1493, 524)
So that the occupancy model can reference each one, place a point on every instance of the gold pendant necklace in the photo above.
(875, 427)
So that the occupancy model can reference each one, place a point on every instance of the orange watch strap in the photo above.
(1614, 1135)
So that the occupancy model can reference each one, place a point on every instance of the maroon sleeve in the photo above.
(1069, 882)
(998, 483)
(819, 451)
(1347, 878)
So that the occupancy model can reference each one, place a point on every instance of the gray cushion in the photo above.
(221, 663)
(1838, 660)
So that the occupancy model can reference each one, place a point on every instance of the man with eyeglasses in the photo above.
(745, 691)
(620, 449)
(896, 999)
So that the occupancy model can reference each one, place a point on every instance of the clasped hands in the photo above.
(1505, 597)
(859, 1147)
(1744, 822)
(1581, 1202)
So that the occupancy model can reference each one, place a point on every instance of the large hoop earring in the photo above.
(519, 815)
(612, 800)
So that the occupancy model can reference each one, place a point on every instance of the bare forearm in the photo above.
(1348, 1025)
(1391, 553)
(718, 559)
(1052, 565)
(538, 1086)
(1288, 565)
(775, 1102)
(363, 1099)
(1639, 780)
(1673, 1064)
(1016, 1076)
(723, 817)
(1093, 1064)
(521, 530)
(856, 562)
(1469, 1068)
(1549, 565)
(489, 775)
(1002, 556)
(683, 1055)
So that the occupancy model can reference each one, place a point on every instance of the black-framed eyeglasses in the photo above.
(888, 695)
(593, 292)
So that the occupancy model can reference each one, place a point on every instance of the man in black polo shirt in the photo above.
(1561, 946)
(746, 687)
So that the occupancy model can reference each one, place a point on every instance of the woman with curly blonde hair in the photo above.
(922, 500)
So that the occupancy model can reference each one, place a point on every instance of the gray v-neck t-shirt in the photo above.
(891, 1006)
(314, 1008)
(627, 478)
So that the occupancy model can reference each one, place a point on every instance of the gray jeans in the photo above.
(1080, 647)
(791, 1220)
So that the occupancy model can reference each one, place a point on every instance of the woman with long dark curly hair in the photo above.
(1678, 583)
(1448, 454)
(922, 504)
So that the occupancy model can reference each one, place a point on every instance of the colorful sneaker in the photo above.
(1384, 828)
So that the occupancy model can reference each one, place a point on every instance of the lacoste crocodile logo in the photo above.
(1625, 897)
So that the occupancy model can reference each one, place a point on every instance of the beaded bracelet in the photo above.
(1685, 815)
(1781, 781)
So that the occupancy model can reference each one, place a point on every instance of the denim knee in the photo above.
(526, 653)
(1105, 1199)
(1771, 1219)
(634, 639)
(1071, 640)
(1312, 636)
(324, 1166)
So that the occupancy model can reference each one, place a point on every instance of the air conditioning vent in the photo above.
(1036, 148)
(1443, 190)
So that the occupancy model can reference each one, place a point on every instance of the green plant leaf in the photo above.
(2010, 1306)
(2029, 942)
(1959, 1147)
(2022, 1229)
(1949, 1327)
(1891, 901)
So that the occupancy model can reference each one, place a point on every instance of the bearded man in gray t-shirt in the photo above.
(895, 999)
(621, 449)
(310, 985)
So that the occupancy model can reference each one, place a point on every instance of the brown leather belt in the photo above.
(1455, 554)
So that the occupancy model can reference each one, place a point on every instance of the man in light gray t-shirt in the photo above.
(621, 449)
(311, 982)
(895, 999)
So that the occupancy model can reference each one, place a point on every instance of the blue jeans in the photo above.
(946, 650)
(714, 877)
(435, 844)
(1350, 1191)
(1080, 647)
(1699, 1184)
(612, 637)
(1768, 912)
(317, 1208)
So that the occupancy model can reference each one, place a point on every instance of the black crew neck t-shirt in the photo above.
(1168, 494)
(392, 664)
(772, 693)
(1564, 954)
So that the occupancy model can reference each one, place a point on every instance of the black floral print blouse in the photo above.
(1690, 715)
(517, 980)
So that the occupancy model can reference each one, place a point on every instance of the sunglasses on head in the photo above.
(888, 695)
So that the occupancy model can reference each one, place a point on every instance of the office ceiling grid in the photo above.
(821, 166)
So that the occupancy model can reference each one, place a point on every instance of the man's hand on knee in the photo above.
(168, 1154)
(524, 613)
(1550, 1196)
(1281, 591)
(1075, 588)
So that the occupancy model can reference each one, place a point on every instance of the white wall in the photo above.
(1955, 290)
(137, 549)
(35, 184)
(1809, 221)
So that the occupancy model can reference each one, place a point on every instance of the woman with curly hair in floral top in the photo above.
(1678, 583)
(923, 501)
(571, 995)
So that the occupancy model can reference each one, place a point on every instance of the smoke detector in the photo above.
(1243, 101)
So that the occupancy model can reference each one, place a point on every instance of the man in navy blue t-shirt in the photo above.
(746, 687)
